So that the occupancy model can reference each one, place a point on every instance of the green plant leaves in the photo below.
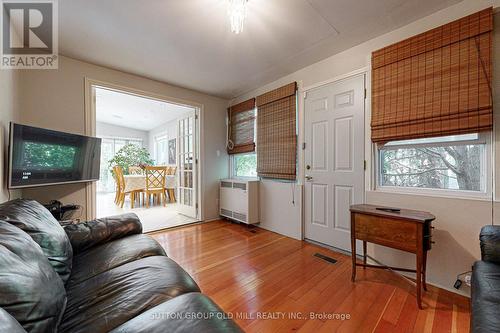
(130, 155)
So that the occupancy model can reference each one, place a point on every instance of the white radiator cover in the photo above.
(239, 200)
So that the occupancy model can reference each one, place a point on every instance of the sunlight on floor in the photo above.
(153, 218)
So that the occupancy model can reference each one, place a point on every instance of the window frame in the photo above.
(156, 143)
(232, 165)
(483, 138)
(112, 140)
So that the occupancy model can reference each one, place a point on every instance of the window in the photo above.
(277, 133)
(109, 147)
(454, 163)
(244, 165)
(161, 150)
(241, 130)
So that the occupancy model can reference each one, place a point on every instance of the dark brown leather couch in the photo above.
(485, 291)
(97, 276)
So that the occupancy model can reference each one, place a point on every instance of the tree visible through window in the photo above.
(109, 147)
(245, 165)
(453, 165)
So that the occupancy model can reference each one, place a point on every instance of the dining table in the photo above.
(138, 182)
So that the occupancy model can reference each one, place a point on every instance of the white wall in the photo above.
(55, 99)
(458, 220)
(280, 205)
(105, 130)
(8, 112)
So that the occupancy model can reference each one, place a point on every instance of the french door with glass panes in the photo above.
(187, 166)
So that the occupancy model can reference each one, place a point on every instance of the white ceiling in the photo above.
(189, 43)
(113, 107)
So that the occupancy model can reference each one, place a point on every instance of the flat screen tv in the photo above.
(39, 157)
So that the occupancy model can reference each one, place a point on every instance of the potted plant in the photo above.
(130, 155)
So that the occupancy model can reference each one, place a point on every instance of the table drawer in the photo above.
(394, 233)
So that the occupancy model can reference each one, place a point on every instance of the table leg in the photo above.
(418, 279)
(364, 254)
(424, 270)
(353, 247)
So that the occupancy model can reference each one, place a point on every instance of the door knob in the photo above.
(308, 167)
(309, 178)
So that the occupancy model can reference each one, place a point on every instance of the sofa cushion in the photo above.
(37, 221)
(111, 298)
(187, 313)
(113, 254)
(485, 297)
(30, 289)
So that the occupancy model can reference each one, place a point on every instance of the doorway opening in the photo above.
(149, 158)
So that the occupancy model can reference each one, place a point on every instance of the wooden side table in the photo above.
(406, 230)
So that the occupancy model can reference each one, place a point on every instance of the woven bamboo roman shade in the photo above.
(277, 133)
(242, 127)
(436, 83)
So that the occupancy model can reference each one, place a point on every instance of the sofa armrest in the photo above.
(490, 243)
(9, 323)
(86, 235)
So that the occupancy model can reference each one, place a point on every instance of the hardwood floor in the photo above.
(254, 274)
(153, 218)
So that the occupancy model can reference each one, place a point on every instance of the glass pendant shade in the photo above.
(237, 14)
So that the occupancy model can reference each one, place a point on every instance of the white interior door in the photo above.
(334, 158)
(187, 168)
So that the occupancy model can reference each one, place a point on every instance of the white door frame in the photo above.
(90, 130)
(302, 91)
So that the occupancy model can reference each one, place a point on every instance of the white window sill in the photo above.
(438, 193)
(244, 178)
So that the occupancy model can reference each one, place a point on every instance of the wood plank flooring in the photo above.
(272, 283)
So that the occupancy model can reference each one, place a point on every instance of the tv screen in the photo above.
(39, 156)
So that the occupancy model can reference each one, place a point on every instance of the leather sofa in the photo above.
(485, 292)
(97, 276)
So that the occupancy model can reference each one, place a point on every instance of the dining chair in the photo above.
(155, 183)
(121, 183)
(171, 190)
(117, 185)
(135, 170)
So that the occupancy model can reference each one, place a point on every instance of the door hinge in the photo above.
(195, 116)
(303, 146)
(305, 94)
(196, 205)
(365, 93)
(364, 165)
